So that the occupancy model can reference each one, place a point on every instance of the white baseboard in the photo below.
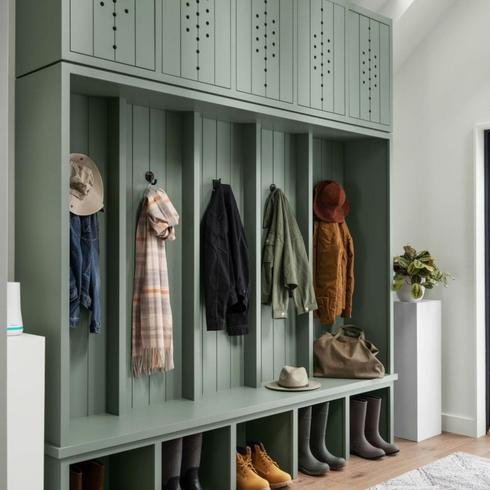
(458, 424)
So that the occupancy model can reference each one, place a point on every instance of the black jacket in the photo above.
(225, 258)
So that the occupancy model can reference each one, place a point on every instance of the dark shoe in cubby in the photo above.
(359, 445)
(76, 478)
(318, 437)
(172, 484)
(190, 480)
(372, 426)
(93, 475)
(307, 463)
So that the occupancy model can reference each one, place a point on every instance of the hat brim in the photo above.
(333, 215)
(273, 385)
(93, 202)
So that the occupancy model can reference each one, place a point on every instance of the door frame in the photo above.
(480, 418)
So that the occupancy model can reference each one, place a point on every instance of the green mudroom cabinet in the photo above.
(255, 93)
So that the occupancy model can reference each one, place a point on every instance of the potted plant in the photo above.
(414, 272)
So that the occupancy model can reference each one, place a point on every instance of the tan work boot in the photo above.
(246, 477)
(267, 468)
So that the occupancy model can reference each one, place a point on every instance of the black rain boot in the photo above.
(318, 437)
(171, 463)
(191, 460)
(307, 463)
(359, 445)
(372, 426)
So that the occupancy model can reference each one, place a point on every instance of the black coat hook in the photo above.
(216, 183)
(273, 187)
(150, 178)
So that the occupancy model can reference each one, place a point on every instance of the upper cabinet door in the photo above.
(321, 55)
(196, 40)
(115, 30)
(369, 69)
(264, 48)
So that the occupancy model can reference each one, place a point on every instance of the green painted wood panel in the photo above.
(321, 55)
(145, 26)
(215, 470)
(353, 64)
(264, 39)
(328, 164)
(206, 44)
(42, 149)
(125, 35)
(82, 26)
(365, 60)
(104, 33)
(222, 157)
(374, 84)
(222, 42)
(385, 73)
(171, 37)
(366, 179)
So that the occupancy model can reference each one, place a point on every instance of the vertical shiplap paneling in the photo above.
(141, 163)
(272, 53)
(258, 46)
(385, 73)
(364, 46)
(125, 33)
(82, 26)
(222, 43)
(205, 33)
(98, 151)
(237, 184)
(79, 336)
(328, 164)
(244, 46)
(209, 171)
(304, 55)
(174, 189)
(223, 171)
(104, 36)
(189, 39)
(374, 70)
(267, 330)
(316, 38)
(157, 164)
(328, 38)
(171, 37)
(339, 59)
(145, 34)
(354, 63)
(286, 50)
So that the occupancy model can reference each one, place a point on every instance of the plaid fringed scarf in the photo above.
(152, 346)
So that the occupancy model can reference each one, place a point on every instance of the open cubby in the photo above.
(129, 469)
(94, 406)
(278, 435)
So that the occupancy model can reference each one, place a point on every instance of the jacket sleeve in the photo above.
(267, 252)
(297, 272)
(349, 283)
(328, 271)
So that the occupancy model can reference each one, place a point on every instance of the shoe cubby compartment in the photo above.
(214, 467)
(336, 434)
(278, 435)
(126, 470)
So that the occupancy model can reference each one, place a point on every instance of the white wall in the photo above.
(6, 157)
(441, 92)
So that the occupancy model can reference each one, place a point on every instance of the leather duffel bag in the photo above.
(347, 354)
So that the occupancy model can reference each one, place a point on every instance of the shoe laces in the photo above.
(266, 458)
(245, 464)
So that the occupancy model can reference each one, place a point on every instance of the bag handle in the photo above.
(350, 331)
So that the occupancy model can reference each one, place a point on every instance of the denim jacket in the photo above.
(84, 269)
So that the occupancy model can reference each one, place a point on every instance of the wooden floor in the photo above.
(360, 474)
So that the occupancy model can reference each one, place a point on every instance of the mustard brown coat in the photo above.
(333, 270)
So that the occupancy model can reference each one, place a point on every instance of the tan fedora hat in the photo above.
(293, 379)
(86, 186)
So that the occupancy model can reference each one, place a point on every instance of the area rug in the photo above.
(458, 471)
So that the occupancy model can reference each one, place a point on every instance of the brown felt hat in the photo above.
(329, 202)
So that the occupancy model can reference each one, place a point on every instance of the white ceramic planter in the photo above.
(404, 294)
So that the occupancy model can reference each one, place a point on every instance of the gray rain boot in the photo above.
(191, 460)
(372, 426)
(307, 463)
(318, 437)
(171, 463)
(358, 443)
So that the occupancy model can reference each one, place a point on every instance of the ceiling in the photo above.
(413, 21)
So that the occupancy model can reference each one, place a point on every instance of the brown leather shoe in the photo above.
(75, 477)
(93, 475)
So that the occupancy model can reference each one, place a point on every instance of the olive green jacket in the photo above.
(285, 269)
